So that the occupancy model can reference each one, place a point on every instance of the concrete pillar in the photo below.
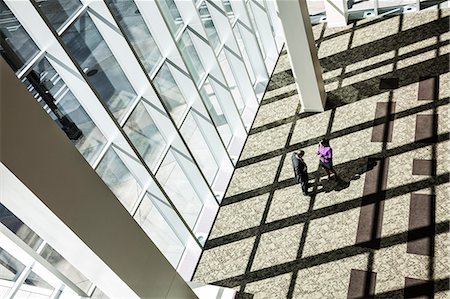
(302, 52)
(337, 14)
(47, 184)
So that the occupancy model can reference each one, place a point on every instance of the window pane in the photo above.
(14, 224)
(10, 267)
(241, 45)
(169, 92)
(72, 118)
(63, 266)
(16, 47)
(89, 49)
(133, 25)
(216, 112)
(199, 147)
(171, 14)
(228, 10)
(255, 28)
(119, 179)
(34, 287)
(229, 76)
(179, 189)
(190, 56)
(209, 25)
(145, 136)
(59, 11)
(159, 230)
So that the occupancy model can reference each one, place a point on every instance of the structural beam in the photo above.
(302, 54)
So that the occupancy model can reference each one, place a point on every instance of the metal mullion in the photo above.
(19, 282)
(72, 20)
(28, 68)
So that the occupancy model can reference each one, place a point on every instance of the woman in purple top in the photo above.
(326, 157)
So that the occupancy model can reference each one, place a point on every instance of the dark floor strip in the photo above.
(372, 205)
(427, 89)
(362, 284)
(379, 132)
(426, 128)
(424, 167)
(417, 288)
(421, 216)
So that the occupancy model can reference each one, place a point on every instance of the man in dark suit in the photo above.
(300, 170)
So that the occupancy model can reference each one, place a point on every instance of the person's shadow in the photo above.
(345, 174)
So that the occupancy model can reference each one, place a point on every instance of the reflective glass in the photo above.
(158, 229)
(133, 25)
(90, 51)
(190, 56)
(119, 179)
(91, 141)
(255, 28)
(361, 5)
(228, 10)
(209, 25)
(65, 268)
(59, 11)
(229, 76)
(199, 146)
(16, 46)
(35, 280)
(212, 104)
(169, 92)
(171, 14)
(241, 45)
(179, 189)
(10, 267)
(145, 135)
(20, 229)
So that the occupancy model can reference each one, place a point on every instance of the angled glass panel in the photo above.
(10, 267)
(245, 56)
(20, 229)
(34, 286)
(191, 57)
(198, 144)
(16, 46)
(103, 71)
(212, 104)
(159, 229)
(47, 87)
(59, 11)
(171, 14)
(119, 179)
(229, 10)
(170, 93)
(209, 25)
(255, 28)
(135, 29)
(229, 76)
(145, 135)
(179, 189)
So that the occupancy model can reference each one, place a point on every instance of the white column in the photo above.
(302, 54)
(336, 11)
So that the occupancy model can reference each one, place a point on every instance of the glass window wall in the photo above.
(145, 135)
(10, 267)
(135, 29)
(232, 85)
(170, 93)
(172, 15)
(119, 179)
(90, 51)
(190, 56)
(16, 46)
(245, 56)
(209, 25)
(59, 11)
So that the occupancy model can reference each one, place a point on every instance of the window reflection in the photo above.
(177, 186)
(119, 179)
(190, 56)
(170, 93)
(68, 113)
(16, 46)
(145, 136)
(171, 14)
(199, 147)
(245, 56)
(209, 25)
(90, 51)
(10, 267)
(59, 11)
(212, 104)
(229, 76)
(133, 25)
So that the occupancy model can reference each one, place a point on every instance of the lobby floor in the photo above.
(382, 228)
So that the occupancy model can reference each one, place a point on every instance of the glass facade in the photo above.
(154, 95)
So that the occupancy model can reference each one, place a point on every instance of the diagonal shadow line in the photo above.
(327, 257)
(440, 285)
(279, 97)
(342, 132)
(386, 62)
(386, 44)
(326, 211)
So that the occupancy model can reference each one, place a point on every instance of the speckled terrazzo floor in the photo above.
(270, 241)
